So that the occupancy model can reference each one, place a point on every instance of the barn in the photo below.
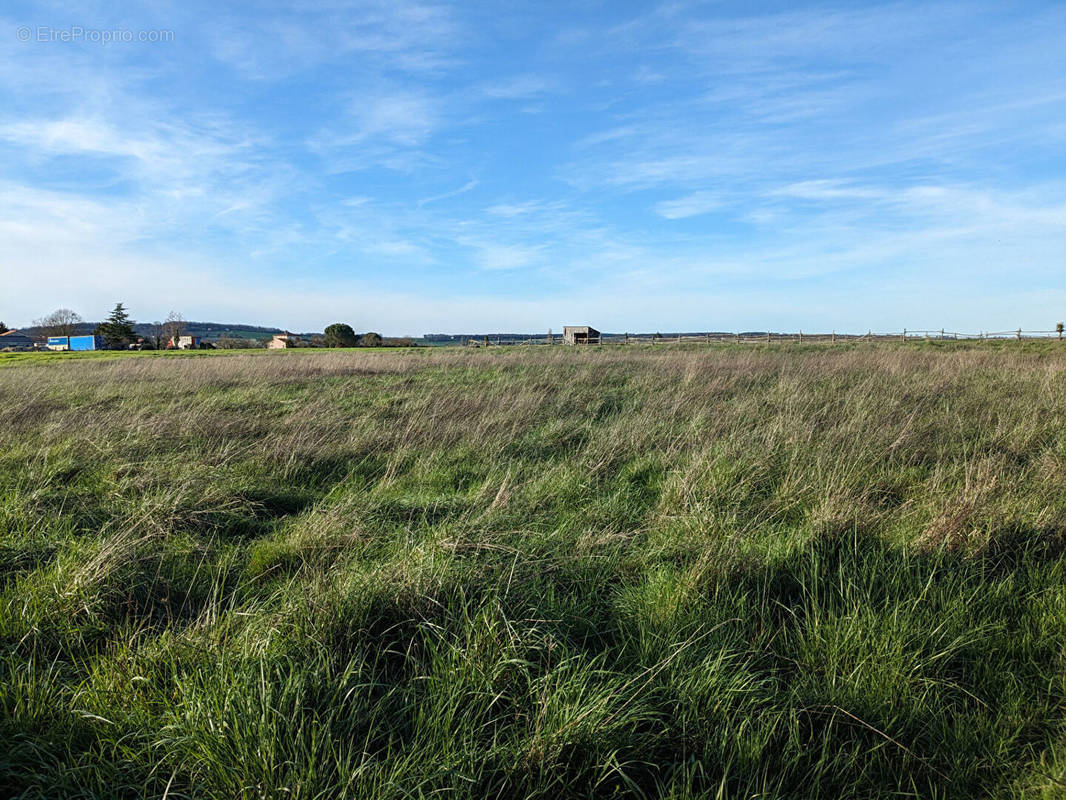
(580, 334)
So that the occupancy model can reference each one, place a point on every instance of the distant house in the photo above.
(282, 340)
(186, 343)
(15, 340)
(580, 334)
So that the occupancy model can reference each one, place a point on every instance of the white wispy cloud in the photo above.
(382, 126)
(823, 89)
(504, 256)
(393, 115)
(689, 206)
(416, 37)
(519, 87)
(466, 187)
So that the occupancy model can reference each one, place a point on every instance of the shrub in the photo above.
(239, 343)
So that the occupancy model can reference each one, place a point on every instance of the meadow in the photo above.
(713, 571)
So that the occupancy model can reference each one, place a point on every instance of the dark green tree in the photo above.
(3, 328)
(118, 330)
(370, 340)
(340, 335)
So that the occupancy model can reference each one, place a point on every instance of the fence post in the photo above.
(903, 338)
(834, 337)
(801, 337)
(768, 337)
(942, 336)
(738, 337)
(1019, 334)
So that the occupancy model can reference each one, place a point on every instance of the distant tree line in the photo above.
(117, 330)
(120, 332)
(226, 342)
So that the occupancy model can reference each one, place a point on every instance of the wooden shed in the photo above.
(580, 334)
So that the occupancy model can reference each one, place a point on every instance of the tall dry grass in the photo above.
(707, 571)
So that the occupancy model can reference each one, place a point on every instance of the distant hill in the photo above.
(216, 330)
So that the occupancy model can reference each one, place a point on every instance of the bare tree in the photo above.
(173, 327)
(155, 333)
(61, 322)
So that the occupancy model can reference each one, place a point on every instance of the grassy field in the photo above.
(725, 572)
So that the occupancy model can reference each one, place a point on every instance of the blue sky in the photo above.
(414, 167)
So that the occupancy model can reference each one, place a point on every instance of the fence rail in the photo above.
(769, 337)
